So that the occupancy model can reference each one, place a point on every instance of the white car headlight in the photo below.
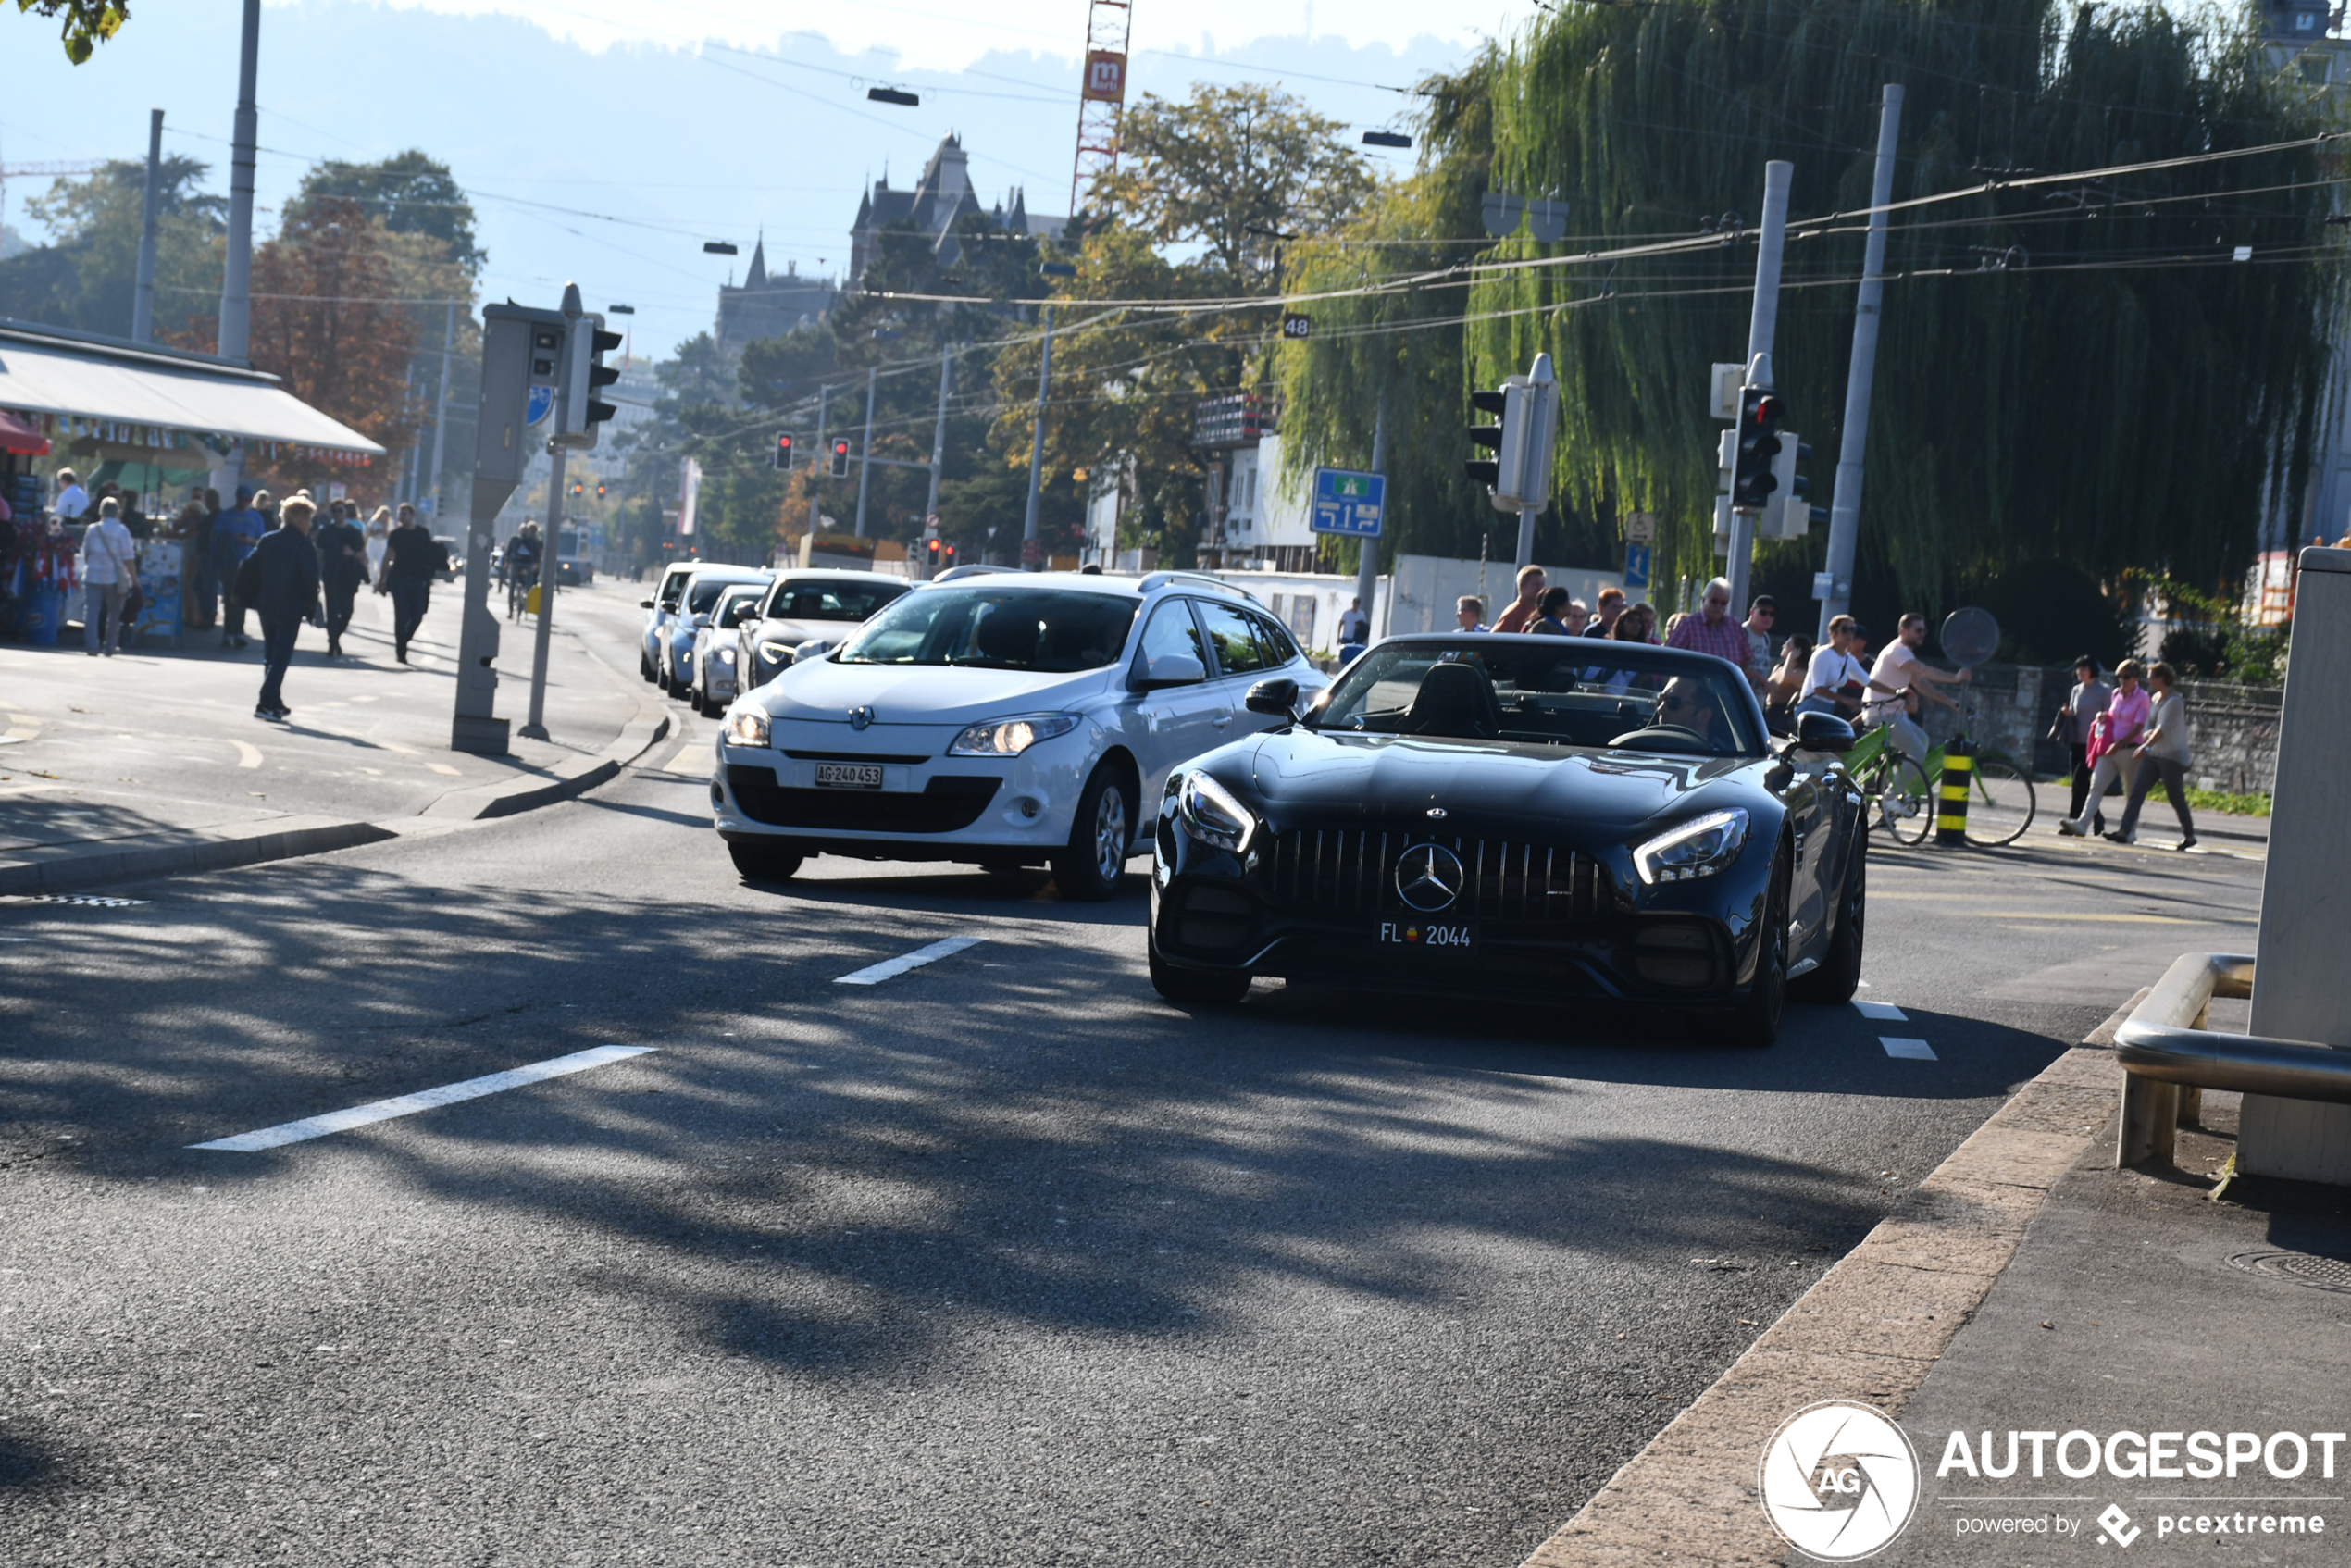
(1210, 814)
(1011, 737)
(747, 726)
(1695, 848)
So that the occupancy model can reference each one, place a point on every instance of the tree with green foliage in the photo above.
(408, 193)
(86, 277)
(85, 25)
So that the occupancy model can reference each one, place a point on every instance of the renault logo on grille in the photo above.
(1429, 877)
(859, 716)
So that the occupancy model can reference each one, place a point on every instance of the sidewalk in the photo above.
(151, 763)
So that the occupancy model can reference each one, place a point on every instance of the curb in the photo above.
(1869, 1329)
(59, 867)
(566, 780)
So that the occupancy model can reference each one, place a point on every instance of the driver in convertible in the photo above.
(1683, 705)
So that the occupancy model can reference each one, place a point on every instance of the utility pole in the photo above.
(1845, 507)
(823, 464)
(865, 453)
(938, 449)
(441, 409)
(143, 303)
(1771, 239)
(1031, 556)
(536, 729)
(236, 275)
(1367, 570)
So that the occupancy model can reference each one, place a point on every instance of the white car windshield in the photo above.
(1048, 630)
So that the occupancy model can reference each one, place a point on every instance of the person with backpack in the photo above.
(412, 559)
(280, 582)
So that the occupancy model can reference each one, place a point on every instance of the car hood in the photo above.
(1300, 775)
(792, 633)
(821, 689)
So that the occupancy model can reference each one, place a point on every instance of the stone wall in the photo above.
(2233, 730)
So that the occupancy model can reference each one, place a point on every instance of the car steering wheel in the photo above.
(1664, 732)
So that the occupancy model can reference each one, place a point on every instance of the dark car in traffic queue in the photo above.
(1488, 816)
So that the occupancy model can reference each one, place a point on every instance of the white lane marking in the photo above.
(248, 754)
(1880, 1010)
(875, 974)
(690, 749)
(425, 1100)
(444, 767)
(1908, 1050)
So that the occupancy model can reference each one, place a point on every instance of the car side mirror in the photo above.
(701, 621)
(644, 603)
(1276, 697)
(1173, 669)
(1822, 732)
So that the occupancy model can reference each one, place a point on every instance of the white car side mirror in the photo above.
(1174, 669)
(701, 621)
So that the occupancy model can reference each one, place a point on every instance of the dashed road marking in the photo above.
(1880, 1010)
(690, 749)
(444, 767)
(873, 975)
(1908, 1050)
(425, 1099)
(248, 754)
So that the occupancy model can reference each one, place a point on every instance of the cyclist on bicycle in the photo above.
(1900, 674)
(1836, 677)
(523, 553)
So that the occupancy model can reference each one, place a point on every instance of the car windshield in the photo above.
(1050, 630)
(831, 601)
(672, 587)
(705, 591)
(740, 604)
(1577, 692)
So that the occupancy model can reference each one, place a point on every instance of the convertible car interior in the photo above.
(1545, 701)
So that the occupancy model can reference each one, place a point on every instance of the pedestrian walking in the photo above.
(1354, 625)
(2114, 736)
(1524, 608)
(282, 577)
(1712, 630)
(2162, 755)
(1898, 673)
(1761, 616)
(2072, 729)
(342, 566)
(379, 536)
(412, 559)
(110, 572)
(234, 534)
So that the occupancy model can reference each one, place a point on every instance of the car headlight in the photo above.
(1011, 737)
(1210, 813)
(747, 726)
(1697, 848)
(724, 655)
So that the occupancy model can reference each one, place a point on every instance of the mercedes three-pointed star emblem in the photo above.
(1429, 877)
(859, 716)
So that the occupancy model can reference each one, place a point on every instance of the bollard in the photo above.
(1958, 772)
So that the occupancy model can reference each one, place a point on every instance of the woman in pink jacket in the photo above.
(2114, 734)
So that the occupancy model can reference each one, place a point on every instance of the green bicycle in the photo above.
(1903, 796)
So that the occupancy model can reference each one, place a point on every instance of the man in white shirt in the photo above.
(1900, 669)
(110, 566)
(72, 500)
(1354, 625)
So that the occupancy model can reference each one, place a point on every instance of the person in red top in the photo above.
(1712, 630)
(1521, 616)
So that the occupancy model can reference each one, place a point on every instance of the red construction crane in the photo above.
(1102, 95)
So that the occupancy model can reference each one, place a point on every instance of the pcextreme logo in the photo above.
(1839, 1481)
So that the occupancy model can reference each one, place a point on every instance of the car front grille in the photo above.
(943, 805)
(1354, 869)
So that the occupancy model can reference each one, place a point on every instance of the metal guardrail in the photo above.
(2169, 1057)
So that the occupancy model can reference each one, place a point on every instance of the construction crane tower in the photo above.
(1102, 95)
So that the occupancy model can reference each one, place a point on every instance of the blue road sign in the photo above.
(1636, 566)
(1348, 503)
(542, 403)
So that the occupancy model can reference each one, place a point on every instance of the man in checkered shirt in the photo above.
(1712, 630)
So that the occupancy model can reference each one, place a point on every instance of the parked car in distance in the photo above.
(1001, 720)
(801, 608)
(701, 595)
(718, 652)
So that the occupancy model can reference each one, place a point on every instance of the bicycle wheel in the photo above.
(1905, 806)
(1999, 804)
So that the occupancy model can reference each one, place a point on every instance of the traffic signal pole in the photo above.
(865, 453)
(1367, 570)
(938, 450)
(536, 729)
(1030, 555)
(1845, 506)
(1761, 323)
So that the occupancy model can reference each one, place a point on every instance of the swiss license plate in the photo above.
(1448, 938)
(849, 776)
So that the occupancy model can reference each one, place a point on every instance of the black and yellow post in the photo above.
(1958, 772)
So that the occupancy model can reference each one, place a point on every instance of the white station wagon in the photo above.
(1001, 719)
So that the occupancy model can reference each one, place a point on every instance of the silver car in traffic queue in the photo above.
(694, 607)
(1000, 720)
(802, 608)
(717, 654)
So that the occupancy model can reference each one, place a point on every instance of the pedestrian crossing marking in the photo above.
(1908, 1050)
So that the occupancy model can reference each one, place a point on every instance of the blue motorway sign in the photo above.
(1636, 566)
(542, 403)
(1348, 502)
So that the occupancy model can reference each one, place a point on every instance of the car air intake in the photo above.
(1211, 919)
(1680, 954)
(945, 804)
(1354, 868)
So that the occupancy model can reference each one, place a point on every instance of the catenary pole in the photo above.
(1367, 570)
(440, 410)
(1761, 323)
(1031, 558)
(865, 453)
(938, 447)
(1845, 506)
(236, 274)
(143, 303)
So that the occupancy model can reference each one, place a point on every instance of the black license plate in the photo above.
(1442, 938)
(849, 776)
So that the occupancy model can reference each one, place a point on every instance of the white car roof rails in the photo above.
(1200, 580)
(974, 569)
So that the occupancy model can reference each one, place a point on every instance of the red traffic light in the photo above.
(1767, 410)
(783, 450)
(600, 490)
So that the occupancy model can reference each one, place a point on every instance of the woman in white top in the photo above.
(379, 538)
(109, 568)
(2162, 755)
(1833, 682)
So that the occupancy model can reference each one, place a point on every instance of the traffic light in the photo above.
(950, 557)
(586, 376)
(840, 457)
(1789, 514)
(930, 548)
(1753, 479)
(576, 487)
(600, 490)
(1487, 472)
(783, 452)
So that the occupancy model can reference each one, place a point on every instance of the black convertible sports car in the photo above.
(1488, 816)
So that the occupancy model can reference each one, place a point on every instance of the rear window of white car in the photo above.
(1052, 632)
(706, 593)
(830, 601)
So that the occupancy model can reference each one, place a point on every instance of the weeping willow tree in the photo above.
(2077, 370)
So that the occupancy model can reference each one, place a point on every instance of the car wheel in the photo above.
(1196, 987)
(644, 664)
(1839, 975)
(759, 863)
(1087, 870)
(1756, 1021)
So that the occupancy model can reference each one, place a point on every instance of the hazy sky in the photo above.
(604, 145)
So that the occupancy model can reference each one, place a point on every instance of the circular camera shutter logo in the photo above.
(1839, 1481)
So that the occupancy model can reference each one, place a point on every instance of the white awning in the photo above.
(73, 377)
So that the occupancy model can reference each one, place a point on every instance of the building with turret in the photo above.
(769, 304)
(937, 203)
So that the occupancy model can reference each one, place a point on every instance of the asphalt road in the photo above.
(999, 1260)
